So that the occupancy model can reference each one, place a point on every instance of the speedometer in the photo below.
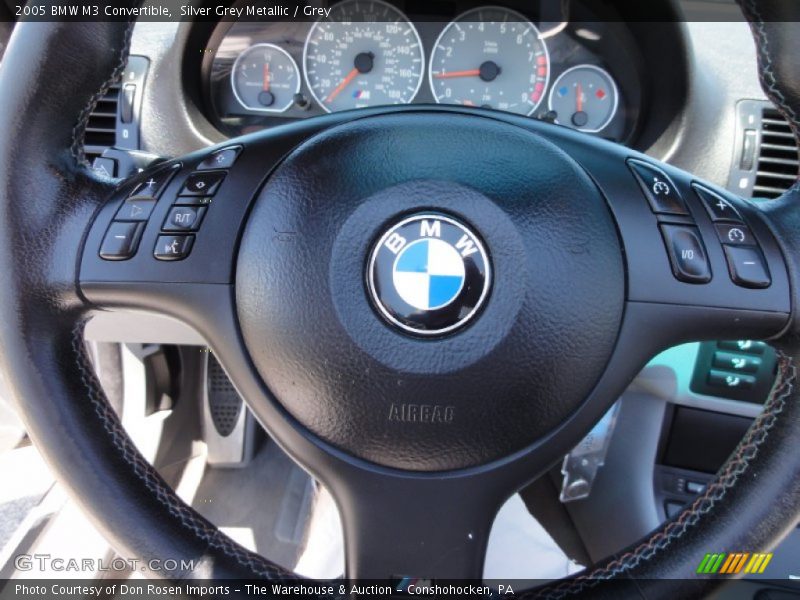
(491, 57)
(366, 53)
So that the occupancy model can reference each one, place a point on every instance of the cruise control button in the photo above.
(221, 159)
(717, 207)
(747, 268)
(184, 218)
(745, 363)
(748, 346)
(173, 247)
(203, 184)
(151, 187)
(686, 253)
(135, 209)
(735, 234)
(724, 379)
(121, 241)
(659, 190)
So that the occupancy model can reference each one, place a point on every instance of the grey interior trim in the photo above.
(722, 74)
(170, 125)
(625, 479)
(140, 328)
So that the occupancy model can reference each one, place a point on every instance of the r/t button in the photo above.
(184, 218)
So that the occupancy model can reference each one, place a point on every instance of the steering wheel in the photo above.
(425, 306)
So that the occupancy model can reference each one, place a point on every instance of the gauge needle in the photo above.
(345, 82)
(470, 73)
(579, 98)
(266, 77)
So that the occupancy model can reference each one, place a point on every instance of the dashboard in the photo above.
(581, 70)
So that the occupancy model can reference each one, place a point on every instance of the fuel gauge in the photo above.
(584, 97)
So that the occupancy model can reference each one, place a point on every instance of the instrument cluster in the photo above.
(370, 53)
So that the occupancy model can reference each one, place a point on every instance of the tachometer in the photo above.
(491, 57)
(366, 53)
(265, 78)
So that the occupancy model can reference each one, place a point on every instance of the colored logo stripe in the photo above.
(733, 563)
(758, 563)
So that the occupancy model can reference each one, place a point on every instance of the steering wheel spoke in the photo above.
(167, 239)
(428, 528)
(701, 263)
(173, 224)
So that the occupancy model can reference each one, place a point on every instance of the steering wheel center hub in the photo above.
(429, 274)
(430, 291)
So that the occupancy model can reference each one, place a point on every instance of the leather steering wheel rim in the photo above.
(47, 198)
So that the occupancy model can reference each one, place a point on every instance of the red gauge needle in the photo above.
(266, 77)
(579, 98)
(470, 73)
(345, 82)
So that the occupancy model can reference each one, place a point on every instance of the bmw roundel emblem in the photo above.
(429, 274)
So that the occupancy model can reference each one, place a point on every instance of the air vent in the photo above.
(101, 130)
(765, 158)
(778, 164)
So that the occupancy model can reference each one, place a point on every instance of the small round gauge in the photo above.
(366, 53)
(265, 78)
(584, 97)
(491, 57)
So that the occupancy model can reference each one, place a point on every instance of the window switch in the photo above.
(121, 241)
